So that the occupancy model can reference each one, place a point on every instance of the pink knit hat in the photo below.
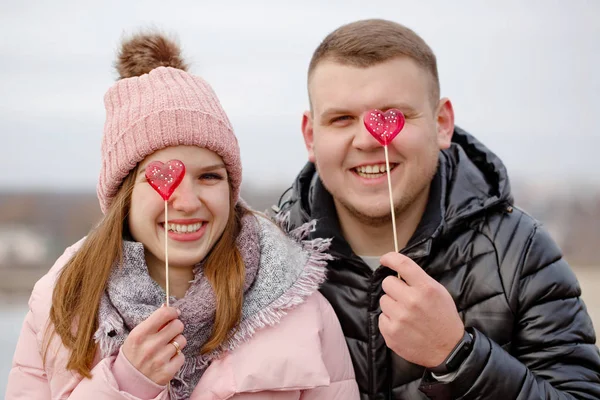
(164, 107)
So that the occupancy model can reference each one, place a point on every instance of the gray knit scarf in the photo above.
(280, 274)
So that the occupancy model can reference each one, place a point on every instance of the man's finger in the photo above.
(389, 306)
(408, 270)
(385, 324)
(394, 287)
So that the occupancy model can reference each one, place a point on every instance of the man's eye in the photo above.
(341, 118)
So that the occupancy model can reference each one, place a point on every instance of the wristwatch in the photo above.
(456, 356)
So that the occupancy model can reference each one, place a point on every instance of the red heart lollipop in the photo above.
(384, 126)
(165, 178)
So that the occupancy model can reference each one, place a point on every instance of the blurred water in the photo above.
(12, 318)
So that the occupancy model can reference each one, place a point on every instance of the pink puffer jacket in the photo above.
(303, 357)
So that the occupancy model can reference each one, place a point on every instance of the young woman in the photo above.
(245, 319)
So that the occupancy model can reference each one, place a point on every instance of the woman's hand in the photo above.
(153, 347)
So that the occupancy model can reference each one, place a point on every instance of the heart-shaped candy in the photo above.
(165, 177)
(384, 126)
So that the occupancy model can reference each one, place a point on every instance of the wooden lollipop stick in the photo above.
(389, 179)
(166, 254)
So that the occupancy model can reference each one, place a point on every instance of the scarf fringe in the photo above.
(300, 233)
(192, 365)
(112, 322)
(282, 219)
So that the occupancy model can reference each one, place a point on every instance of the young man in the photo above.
(486, 307)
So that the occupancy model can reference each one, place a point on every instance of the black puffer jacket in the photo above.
(533, 336)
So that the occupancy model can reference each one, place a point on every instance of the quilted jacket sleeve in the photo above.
(27, 378)
(115, 378)
(553, 350)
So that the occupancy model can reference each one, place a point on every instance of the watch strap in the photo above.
(458, 354)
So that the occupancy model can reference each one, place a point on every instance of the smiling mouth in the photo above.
(373, 171)
(184, 228)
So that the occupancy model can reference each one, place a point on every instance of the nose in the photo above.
(185, 199)
(363, 140)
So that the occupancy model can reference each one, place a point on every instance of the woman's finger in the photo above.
(168, 333)
(159, 318)
(174, 346)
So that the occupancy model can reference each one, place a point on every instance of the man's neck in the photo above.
(368, 240)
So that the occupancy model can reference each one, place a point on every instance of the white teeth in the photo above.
(370, 176)
(179, 228)
(371, 169)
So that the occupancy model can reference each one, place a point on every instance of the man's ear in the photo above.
(308, 134)
(445, 123)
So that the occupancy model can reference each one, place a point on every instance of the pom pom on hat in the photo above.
(143, 52)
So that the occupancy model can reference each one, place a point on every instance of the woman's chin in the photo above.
(184, 261)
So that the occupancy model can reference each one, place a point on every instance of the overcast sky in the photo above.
(522, 75)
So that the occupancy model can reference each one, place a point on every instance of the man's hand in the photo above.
(418, 320)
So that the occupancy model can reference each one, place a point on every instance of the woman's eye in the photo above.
(211, 177)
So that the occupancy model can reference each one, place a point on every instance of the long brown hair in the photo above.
(82, 281)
